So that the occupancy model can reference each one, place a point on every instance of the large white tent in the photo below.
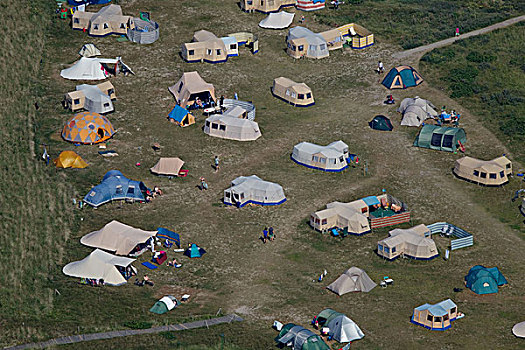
(332, 157)
(352, 280)
(88, 69)
(232, 128)
(252, 189)
(278, 20)
(99, 265)
(95, 99)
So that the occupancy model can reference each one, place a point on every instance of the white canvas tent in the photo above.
(253, 190)
(344, 330)
(87, 69)
(332, 157)
(278, 20)
(95, 100)
(352, 280)
(89, 50)
(519, 329)
(414, 243)
(232, 128)
(117, 237)
(168, 166)
(416, 110)
(99, 265)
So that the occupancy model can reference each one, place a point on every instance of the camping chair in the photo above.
(183, 173)
(335, 233)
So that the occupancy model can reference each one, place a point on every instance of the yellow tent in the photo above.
(69, 159)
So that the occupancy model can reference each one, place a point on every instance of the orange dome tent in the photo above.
(88, 128)
(69, 159)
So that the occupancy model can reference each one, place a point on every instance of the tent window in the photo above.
(262, 2)
(322, 47)
(301, 47)
(215, 126)
(437, 319)
(233, 47)
(379, 247)
(341, 159)
(106, 26)
(249, 2)
(476, 173)
(436, 140)
(324, 222)
(227, 194)
(333, 160)
(131, 190)
(122, 26)
(100, 132)
(209, 51)
(294, 47)
(315, 159)
(191, 52)
(118, 190)
(294, 94)
(317, 221)
(301, 96)
(447, 141)
(309, 95)
(106, 104)
(322, 160)
(218, 52)
(180, 86)
(76, 101)
(483, 175)
(311, 48)
(222, 127)
(242, 195)
(387, 250)
(111, 92)
(95, 27)
(207, 123)
(493, 176)
(76, 20)
(394, 250)
(429, 318)
(287, 92)
(508, 166)
(502, 174)
(364, 210)
(453, 310)
(92, 194)
(445, 318)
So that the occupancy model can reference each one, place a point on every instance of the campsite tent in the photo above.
(165, 304)
(265, 6)
(413, 243)
(380, 122)
(232, 128)
(484, 280)
(253, 190)
(108, 20)
(117, 237)
(92, 98)
(519, 330)
(300, 338)
(87, 69)
(181, 116)
(440, 138)
(190, 87)
(296, 94)
(416, 110)
(167, 166)
(115, 186)
(302, 42)
(89, 50)
(485, 172)
(436, 317)
(100, 265)
(87, 2)
(342, 328)
(206, 47)
(69, 159)
(332, 157)
(87, 128)
(278, 20)
(194, 251)
(402, 77)
(169, 236)
(352, 280)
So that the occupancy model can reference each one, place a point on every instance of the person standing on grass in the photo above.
(217, 163)
(235, 96)
(380, 67)
(457, 31)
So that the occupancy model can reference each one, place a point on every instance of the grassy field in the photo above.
(240, 274)
(486, 74)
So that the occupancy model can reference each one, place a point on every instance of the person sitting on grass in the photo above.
(147, 281)
(271, 234)
(265, 235)
(174, 263)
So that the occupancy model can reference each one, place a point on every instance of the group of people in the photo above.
(152, 194)
(145, 281)
(93, 282)
(174, 263)
(268, 234)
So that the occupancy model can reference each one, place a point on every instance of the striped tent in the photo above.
(88, 128)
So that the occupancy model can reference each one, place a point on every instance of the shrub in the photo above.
(138, 324)
(478, 57)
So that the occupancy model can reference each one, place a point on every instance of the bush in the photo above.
(138, 324)
(478, 57)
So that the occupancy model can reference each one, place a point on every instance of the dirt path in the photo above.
(422, 49)
(125, 333)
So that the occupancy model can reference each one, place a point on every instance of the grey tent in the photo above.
(95, 99)
(253, 190)
(416, 110)
(300, 37)
(229, 127)
(278, 20)
(343, 329)
(89, 50)
(352, 280)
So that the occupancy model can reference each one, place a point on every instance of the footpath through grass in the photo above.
(412, 23)
(486, 74)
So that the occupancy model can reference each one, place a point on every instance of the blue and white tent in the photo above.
(115, 186)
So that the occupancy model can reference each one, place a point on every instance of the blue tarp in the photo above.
(87, 2)
(164, 233)
(115, 186)
(371, 200)
(178, 113)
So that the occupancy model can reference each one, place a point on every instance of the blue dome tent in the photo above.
(115, 186)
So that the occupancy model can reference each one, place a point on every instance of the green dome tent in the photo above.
(164, 305)
(402, 77)
(380, 122)
(342, 328)
(441, 138)
(301, 338)
(483, 280)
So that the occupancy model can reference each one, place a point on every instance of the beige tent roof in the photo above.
(414, 236)
(168, 166)
(117, 237)
(493, 166)
(99, 265)
(352, 280)
(519, 329)
(89, 50)
(192, 83)
(204, 35)
(299, 87)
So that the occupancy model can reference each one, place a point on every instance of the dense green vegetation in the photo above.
(411, 23)
(487, 75)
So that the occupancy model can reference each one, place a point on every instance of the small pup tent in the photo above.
(342, 328)
(485, 172)
(88, 128)
(302, 42)
(437, 317)
(352, 280)
(441, 138)
(265, 6)
(278, 20)
(144, 32)
(117, 237)
(167, 166)
(115, 186)
(100, 265)
(413, 243)
(382, 123)
(300, 338)
(194, 251)
(89, 50)
(519, 330)
(92, 98)
(231, 128)
(108, 20)
(165, 304)
(402, 77)
(253, 190)
(416, 110)
(181, 116)
(190, 87)
(296, 94)
(484, 280)
(69, 159)
(331, 158)
(310, 5)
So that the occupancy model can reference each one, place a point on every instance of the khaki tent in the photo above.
(89, 50)
(168, 166)
(278, 20)
(108, 20)
(485, 172)
(302, 42)
(232, 128)
(190, 87)
(416, 110)
(265, 6)
(350, 217)
(413, 243)
(331, 158)
(69, 159)
(352, 280)
(296, 94)
(100, 265)
(117, 237)
(436, 317)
